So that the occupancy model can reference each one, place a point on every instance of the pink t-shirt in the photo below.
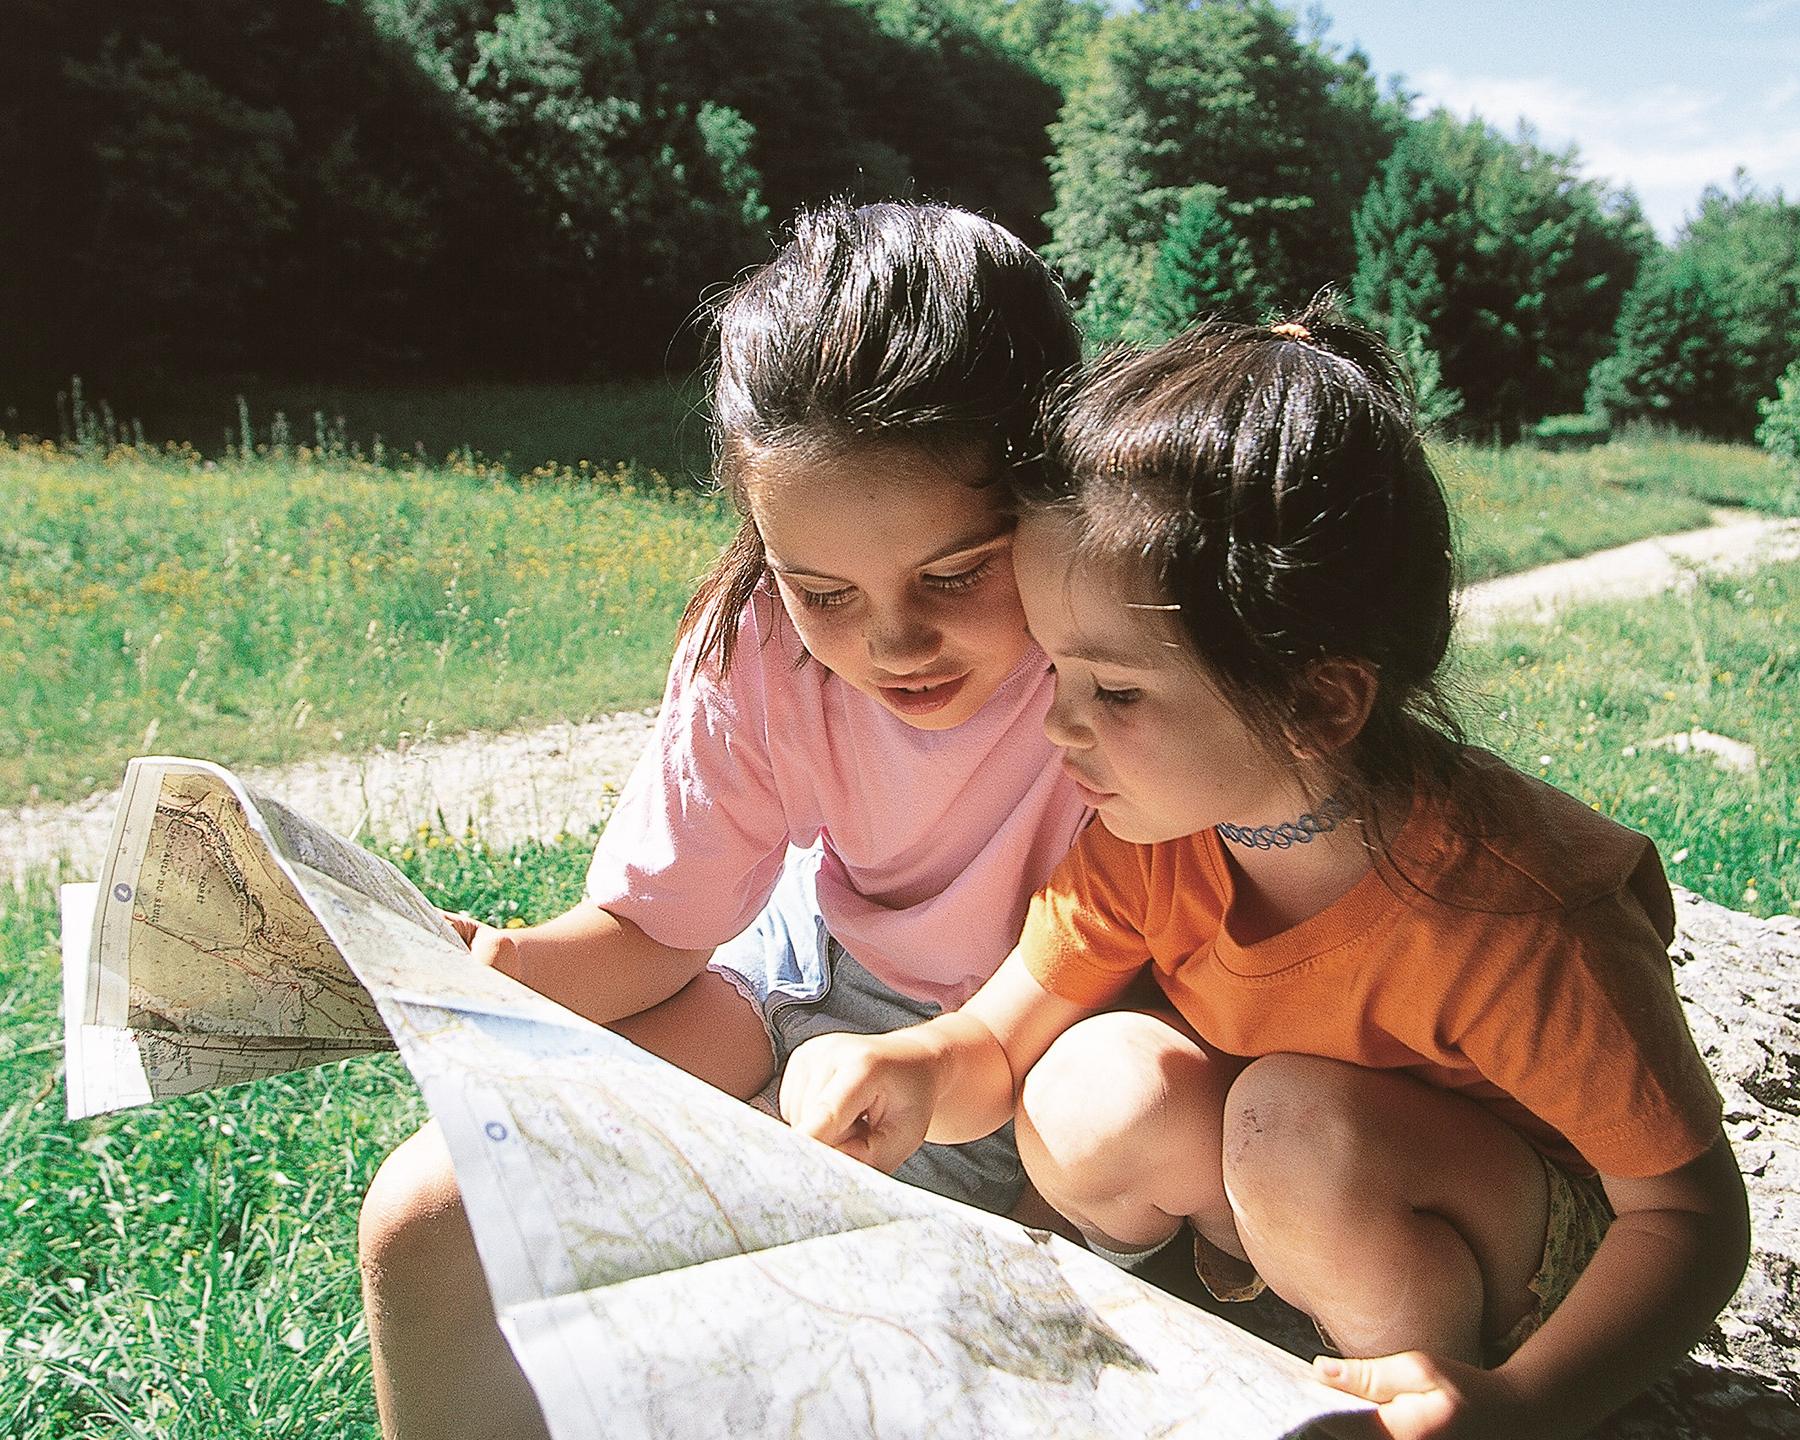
(934, 841)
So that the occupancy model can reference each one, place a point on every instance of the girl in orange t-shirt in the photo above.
(1389, 1026)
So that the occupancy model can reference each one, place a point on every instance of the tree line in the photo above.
(446, 188)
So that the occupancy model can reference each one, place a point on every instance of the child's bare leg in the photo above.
(711, 1031)
(442, 1367)
(1398, 1215)
(1119, 1129)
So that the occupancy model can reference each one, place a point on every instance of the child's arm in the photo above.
(1668, 1265)
(588, 959)
(955, 1078)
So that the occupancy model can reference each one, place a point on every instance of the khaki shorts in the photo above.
(803, 983)
(1578, 1218)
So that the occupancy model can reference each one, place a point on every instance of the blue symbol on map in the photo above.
(495, 1130)
(122, 892)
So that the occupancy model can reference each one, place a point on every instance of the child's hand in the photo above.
(870, 1096)
(491, 946)
(1423, 1397)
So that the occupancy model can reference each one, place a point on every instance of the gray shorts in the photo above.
(803, 983)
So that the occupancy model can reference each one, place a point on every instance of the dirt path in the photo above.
(1737, 539)
(516, 785)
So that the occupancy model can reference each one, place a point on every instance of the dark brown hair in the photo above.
(879, 325)
(1271, 482)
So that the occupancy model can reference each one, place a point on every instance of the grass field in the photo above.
(259, 608)
(1583, 702)
(1518, 507)
(188, 1272)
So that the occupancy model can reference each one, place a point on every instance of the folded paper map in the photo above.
(665, 1261)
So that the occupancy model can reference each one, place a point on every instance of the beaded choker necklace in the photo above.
(1331, 813)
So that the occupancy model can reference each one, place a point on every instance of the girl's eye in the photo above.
(1116, 697)
(826, 599)
(963, 579)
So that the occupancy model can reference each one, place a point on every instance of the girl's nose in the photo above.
(1062, 725)
(903, 642)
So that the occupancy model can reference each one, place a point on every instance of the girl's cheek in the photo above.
(821, 631)
(1115, 724)
(994, 605)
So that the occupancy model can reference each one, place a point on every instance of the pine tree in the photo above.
(1203, 268)
(1779, 432)
(1708, 330)
(1494, 256)
(1225, 95)
(1668, 363)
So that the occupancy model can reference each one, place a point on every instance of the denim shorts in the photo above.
(803, 983)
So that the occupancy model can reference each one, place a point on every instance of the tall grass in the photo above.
(653, 423)
(269, 606)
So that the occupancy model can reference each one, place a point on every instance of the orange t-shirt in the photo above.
(1527, 970)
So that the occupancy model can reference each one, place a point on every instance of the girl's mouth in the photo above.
(1093, 796)
(922, 699)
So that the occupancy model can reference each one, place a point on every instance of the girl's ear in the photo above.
(1335, 705)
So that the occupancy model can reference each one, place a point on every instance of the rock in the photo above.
(1739, 978)
(1727, 754)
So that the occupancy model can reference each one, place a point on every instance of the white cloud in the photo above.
(1766, 157)
(1567, 111)
(1666, 142)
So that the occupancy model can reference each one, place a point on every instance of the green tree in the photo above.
(194, 191)
(1779, 432)
(1705, 334)
(605, 105)
(1669, 361)
(1746, 244)
(285, 192)
(970, 120)
(1497, 258)
(486, 186)
(1436, 405)
(1202, 268)
(645, 195)
(1050, 36)
(1228, 95)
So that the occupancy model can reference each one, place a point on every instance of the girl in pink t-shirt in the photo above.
(1376, 1019)
(849, 797)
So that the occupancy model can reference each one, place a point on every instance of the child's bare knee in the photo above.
(1098, 1105)
(1293, 1137)
(1093, 1087)
(412, 1222)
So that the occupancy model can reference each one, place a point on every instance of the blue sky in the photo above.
(1660, 95)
